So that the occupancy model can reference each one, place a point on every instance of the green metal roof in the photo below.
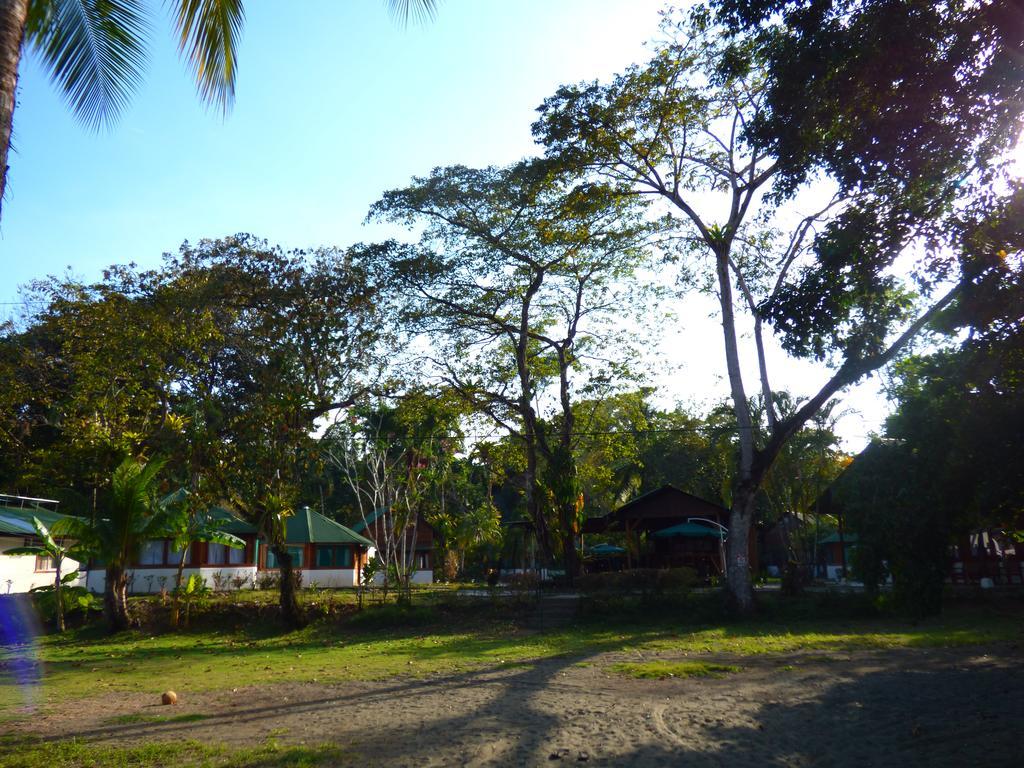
(307, 526)
(229, 523)
(605, 550)
(361, 525)
(18, 521)
(227, 520)
(833, 538)
(690, 530)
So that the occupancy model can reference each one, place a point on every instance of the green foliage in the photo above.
(76, 600)
(94, 51)
(663, 670)
(194, 591)
(131, 516)
(27, 752)
(643, 581)
(184, 522)
(519, 278)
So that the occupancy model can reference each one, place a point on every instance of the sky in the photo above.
(335, 103)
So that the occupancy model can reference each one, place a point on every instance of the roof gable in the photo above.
(307, 526)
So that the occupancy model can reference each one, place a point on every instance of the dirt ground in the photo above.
(870, 708)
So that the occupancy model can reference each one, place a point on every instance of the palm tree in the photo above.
(132, 516)
(95, 51)
(51, 548)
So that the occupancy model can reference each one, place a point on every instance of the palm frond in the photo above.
(208, 36)
(420, 11)
(222, 537)
(95, 52)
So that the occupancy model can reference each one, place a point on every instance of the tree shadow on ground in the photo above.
(909, 708)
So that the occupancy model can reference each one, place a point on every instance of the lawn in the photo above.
(19, 752)
(385, 642)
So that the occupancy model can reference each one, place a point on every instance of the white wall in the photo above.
(329, 577)
(418, 577)
(18, 572)
(147, 580)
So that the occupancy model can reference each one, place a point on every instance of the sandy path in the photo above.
(898, 708)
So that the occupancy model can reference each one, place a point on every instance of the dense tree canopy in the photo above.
(700, 128)
(515, 279)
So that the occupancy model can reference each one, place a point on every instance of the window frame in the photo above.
(348, 558)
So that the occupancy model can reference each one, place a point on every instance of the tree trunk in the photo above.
(13, 14)
(291, 612)
(570, 557)
(451, 564)
(741, 518)
(115, 599)
(737, 569)
(59, 597)
(178, 577)
(533, 500)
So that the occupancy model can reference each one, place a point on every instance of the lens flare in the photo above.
(21, 670)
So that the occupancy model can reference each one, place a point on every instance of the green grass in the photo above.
(17, 752)
(662, 670)
(88, 663)
(137, 717)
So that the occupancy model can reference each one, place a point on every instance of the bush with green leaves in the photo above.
(75, 600)
(194, 590)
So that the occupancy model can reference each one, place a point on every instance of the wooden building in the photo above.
(419, 541)
(669, 528)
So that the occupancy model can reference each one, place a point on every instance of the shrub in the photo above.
(527, 581)
(676, 579)
(267, 581)
(76, 600)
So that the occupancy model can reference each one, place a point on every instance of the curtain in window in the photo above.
(152, 553)
(216, 554)
(236, 556)
(173, 558)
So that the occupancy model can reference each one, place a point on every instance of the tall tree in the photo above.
(680, 129)
(89, 376)
(296, 339)
(514, 278)
(951, 462)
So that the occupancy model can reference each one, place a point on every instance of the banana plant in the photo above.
(58, 553)
(194, 589)
(184, 525)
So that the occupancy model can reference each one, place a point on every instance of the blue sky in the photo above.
(335, 103)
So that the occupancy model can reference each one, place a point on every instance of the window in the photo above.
(152, 553)
(236, 556)
(44, 563)
(333, 556)
(216, 554)
(173, 558)
(421, 561)
(295, 552)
